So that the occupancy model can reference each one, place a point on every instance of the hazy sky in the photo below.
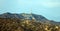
(48, 8)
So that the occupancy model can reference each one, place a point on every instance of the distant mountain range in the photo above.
(38, 18)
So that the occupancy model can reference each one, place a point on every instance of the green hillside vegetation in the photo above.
(7, 24)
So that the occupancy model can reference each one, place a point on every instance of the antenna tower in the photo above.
(32, 15)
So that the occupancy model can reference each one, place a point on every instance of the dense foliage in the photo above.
(7, 24)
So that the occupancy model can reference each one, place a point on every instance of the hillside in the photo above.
(27, 22)
(7, 24)
(36, 17)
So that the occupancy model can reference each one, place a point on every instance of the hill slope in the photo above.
(38, 18)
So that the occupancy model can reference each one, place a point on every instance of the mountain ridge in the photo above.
(39, 18)
(10, 15)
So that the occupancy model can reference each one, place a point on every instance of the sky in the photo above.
(48, 8)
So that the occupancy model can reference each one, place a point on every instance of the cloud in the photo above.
(50, 4)
(45, 3)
